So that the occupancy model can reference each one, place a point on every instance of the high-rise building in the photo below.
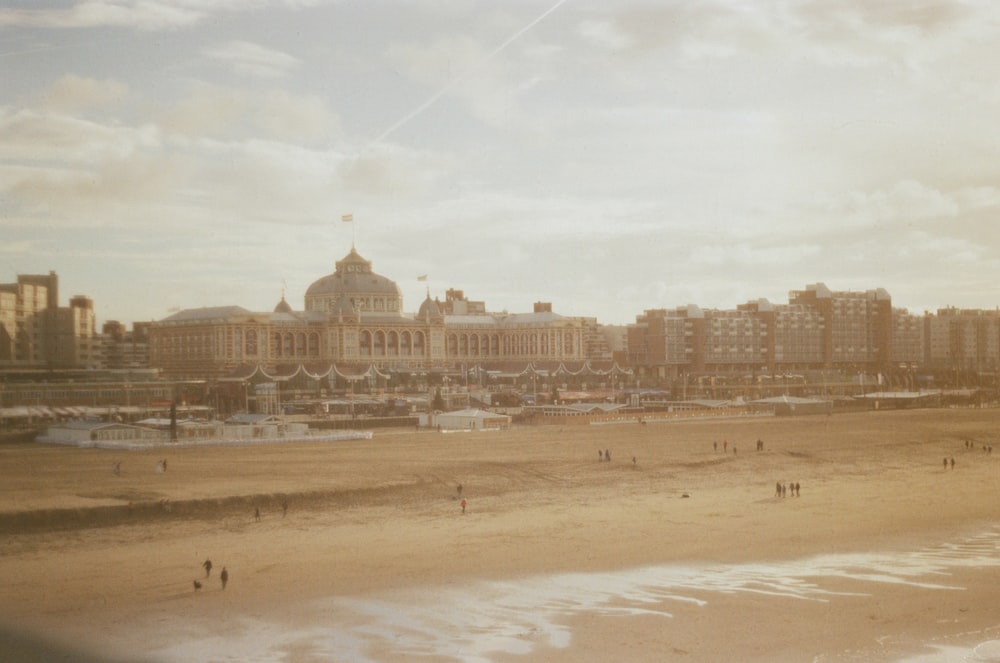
(35, 332)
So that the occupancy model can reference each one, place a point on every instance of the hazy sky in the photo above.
(609, 157)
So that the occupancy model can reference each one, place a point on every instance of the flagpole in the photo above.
(349, 218)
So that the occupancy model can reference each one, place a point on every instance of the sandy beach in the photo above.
(104, 564)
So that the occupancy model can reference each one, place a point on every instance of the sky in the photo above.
(607, 157)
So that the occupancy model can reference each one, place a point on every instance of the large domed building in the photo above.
(354, 319)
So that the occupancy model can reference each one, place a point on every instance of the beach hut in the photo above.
(469, 419)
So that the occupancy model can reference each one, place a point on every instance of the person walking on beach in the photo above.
(256, 513)
(797, 493)
(777, 489)
(464, 504)
(607, 455)
(946, 463)
(952, 463)
(224, 577)
(208, 567)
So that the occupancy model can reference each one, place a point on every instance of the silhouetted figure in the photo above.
(208, 567)
(117, 468)
(600, 455)
(952, 463)
(797, 494)
(459, 489)
(256, 513)
(197, 585)
(946, 463)
(777, 489)
(284, 508)
(464, 504)
(607, 455)
(715, 446)
(633, 461)
(224, 577)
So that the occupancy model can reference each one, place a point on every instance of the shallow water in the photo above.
(480, 621)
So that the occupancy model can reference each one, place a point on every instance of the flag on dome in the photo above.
(347, 218)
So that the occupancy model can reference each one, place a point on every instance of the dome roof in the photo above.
(283, 306)
(353, 276)
(429, 309)
(354, 286)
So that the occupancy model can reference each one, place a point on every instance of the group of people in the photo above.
(207, 565)
(604, 455)
(786, 490)
(987, 448)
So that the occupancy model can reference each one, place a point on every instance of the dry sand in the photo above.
(98, 560)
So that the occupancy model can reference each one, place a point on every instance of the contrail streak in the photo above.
(455, 81)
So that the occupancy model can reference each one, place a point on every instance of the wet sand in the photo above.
(369, 518)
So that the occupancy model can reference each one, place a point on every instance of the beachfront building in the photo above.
(37, 333)
(354, 318)
(964, 340)
(817, 329)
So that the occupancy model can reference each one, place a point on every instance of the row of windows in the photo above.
(487, 345)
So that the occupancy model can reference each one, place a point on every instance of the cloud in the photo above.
(254, 60)
(295, 118)
(138, 14)
(73, 93)
(34, 137)
(230, 112)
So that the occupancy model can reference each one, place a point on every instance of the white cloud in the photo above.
(138, 14)
(253, 59)
(73, 93)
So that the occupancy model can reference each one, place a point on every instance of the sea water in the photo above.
(479, 621)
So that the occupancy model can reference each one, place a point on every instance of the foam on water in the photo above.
(475, 622)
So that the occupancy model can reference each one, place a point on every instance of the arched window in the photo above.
(392, 343)
(314, 344)
(463, 345)
(568, 344)
(251, 339)
(418, 343)
(287, 345)
(405, 344)
(474, 345)
(365, 343)
(452, 350)
(300, 344)
(379, 349)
